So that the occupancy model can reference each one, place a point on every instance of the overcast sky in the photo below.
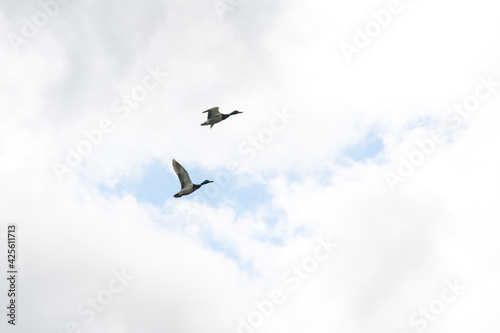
(358, 191)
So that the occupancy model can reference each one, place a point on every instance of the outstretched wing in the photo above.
(182, 174)
(213, 112)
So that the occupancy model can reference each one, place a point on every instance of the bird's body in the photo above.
(185, 191)
(187, 186)
(214, 116)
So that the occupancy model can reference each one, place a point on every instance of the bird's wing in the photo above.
(182, 174)
(213, 112)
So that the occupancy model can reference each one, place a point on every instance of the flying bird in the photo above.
(214, 116)
(187, 186)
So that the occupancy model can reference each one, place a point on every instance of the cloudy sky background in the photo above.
(199, 263)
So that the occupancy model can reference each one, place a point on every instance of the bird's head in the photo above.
(206, 182)
(235, 112)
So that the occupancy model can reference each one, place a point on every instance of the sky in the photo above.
(357, 192)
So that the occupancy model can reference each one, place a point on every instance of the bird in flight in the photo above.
(214, 116)
(187, 186)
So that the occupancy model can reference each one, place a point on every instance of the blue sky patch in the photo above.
(367, 148)
(155, 186)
